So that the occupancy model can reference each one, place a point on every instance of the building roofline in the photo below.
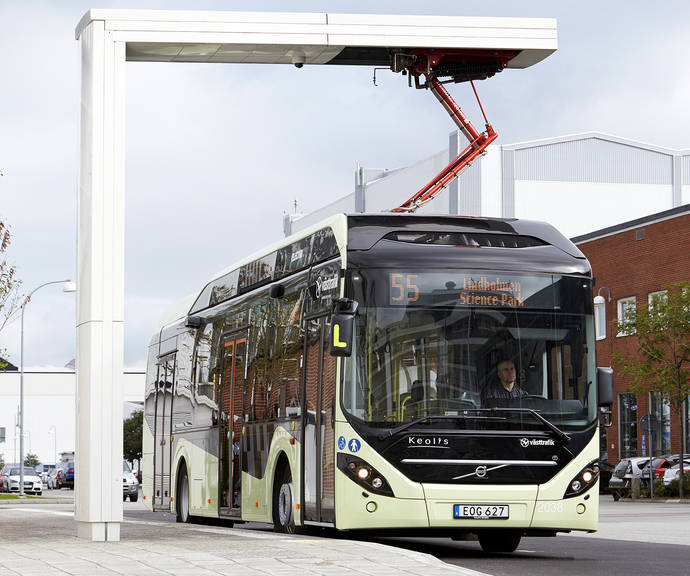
(600, 136)
(631, 224)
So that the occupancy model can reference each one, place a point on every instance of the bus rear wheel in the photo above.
(283, 502)
(500, 540)
(182, 506)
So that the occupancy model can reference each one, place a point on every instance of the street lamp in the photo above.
(53, 432)
(67, 286)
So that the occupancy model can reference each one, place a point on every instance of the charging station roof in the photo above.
(315, 38)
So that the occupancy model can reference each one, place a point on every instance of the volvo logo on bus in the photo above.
(480, 472)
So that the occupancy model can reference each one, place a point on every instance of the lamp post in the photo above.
(53, 432)
(68, 286)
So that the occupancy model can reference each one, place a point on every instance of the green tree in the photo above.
(132, 431)
(10, 296)
(661, 365)
(31, 460)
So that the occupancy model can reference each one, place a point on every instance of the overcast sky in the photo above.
(217, 153)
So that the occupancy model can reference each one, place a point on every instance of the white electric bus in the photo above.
(341, 378)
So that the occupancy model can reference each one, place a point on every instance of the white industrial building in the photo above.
(578, 183)
(49, 410)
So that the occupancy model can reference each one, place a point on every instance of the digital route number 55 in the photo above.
(403, 288)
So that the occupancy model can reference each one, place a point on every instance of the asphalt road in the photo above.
(635, 538)
(562, 556)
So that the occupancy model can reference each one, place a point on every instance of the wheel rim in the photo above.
(184, 500)
(285, 504)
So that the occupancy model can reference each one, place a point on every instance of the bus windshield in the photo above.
(472, 349)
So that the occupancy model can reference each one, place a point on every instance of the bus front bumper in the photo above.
(524, 508)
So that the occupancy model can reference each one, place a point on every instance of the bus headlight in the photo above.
(364, 474)
(584, 480)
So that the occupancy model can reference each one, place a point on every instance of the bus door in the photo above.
(318, 472)
(231, 417)
(161, 435)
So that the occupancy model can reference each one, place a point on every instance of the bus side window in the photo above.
(203, 384)
(289, 350)
(255, 390)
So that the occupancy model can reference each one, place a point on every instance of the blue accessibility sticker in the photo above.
(341, 443)
(354, 445)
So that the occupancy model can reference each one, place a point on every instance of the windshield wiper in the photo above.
(557, 432)
(561, 436)
(406, 425)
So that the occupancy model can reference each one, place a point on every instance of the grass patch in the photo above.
(16, 497)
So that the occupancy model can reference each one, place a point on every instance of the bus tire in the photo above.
(499, 540)
(182, 497)
(283, 502)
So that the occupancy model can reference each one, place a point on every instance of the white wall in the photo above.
(394, 189)
(48, 405)
(492, 194)
(576, 208)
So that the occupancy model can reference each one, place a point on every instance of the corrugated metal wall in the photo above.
(686, 170)
(469, 189)
(593, 160)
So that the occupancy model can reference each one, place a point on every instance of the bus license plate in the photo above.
(480, 511)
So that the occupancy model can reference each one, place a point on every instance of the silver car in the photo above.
(673, 473)
(130, 484)
(32, 481)
(621, 479)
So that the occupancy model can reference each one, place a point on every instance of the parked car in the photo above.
(44, 471)
(65, 475)
(4, 473)
(621, 479)
(52, 480)
(663, 463)
(32, 481)
(673, 473)
(130, 484)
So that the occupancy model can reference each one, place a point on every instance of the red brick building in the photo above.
(631, 262)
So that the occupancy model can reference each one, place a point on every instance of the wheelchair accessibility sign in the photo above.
(341, 443)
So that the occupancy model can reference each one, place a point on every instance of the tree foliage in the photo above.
(661, 365)
(31, 460)
(132, 431)
(10, 295)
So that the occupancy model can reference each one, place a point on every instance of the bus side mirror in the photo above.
(342, 326)
(605, 386)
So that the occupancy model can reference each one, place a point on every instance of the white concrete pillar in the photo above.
(100, 287)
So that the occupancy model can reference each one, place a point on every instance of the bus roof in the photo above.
(362, 231)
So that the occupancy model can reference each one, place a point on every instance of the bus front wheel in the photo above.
(182, 506)
(283, 498)
(499, 540)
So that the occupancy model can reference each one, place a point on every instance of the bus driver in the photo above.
(506, 387)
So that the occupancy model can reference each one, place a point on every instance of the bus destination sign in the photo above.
(434, 288)
(494, 292)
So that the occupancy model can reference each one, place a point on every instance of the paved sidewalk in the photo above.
(42, 540)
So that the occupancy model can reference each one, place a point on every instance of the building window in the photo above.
(626, 307)
(661, 435)
(627, 417)
(660, 296)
